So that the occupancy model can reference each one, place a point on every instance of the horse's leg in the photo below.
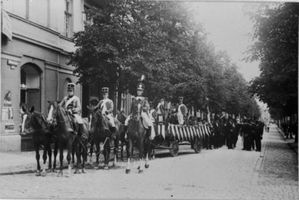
(84, 156)
(69, 152)
(122, 151)
(55, 155)
(60, 173)
(129, 150)
(90, 152)
(44, 173)
(37, 156)
(107, 152)
(116, 141)
(73, 153)
(78, 155)
(49, 151)
(141, 155)
(148, 150)
(98, 152)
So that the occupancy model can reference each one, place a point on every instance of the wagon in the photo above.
(170, 136)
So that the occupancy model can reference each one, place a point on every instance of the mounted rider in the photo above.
(144, 109)
(106, 107)
(182, 111)
(72, 104)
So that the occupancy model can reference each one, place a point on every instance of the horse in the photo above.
(101, 133)
(42, 137)
(66, 137)
(121, 117)
(137, 136)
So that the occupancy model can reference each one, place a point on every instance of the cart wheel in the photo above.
(197, 145)
(174, 148)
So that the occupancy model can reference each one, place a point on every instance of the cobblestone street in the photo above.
(212, 174)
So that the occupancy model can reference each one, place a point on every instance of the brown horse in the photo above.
(42, 137)
(137, 137)
(101, 133)
(66, 137)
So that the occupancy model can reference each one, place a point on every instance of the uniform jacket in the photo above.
(182, 108)
(71, 103)
(107, 106)
(142, 103)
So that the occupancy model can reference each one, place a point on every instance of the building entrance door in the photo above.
(30, 86)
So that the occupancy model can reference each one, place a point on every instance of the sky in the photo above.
(229, 28)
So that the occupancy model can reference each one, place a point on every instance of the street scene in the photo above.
(136, 99)
(213, 174)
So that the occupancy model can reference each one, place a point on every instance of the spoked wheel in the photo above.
(197, 145)
(174, 148)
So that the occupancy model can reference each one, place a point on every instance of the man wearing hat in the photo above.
(107, 106)
(144, 106)
(182, 111)
(71, 103)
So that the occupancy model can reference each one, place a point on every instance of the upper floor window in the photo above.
(69, 18)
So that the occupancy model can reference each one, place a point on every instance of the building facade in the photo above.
(36, 42)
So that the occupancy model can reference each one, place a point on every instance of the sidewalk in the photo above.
(290, 142)
(17, 162)
(278, 172)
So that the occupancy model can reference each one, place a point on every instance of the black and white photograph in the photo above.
(149, 99)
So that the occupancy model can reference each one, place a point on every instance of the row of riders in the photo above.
(65, 128)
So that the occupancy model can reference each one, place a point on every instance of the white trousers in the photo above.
(180, 118)
(78, 119)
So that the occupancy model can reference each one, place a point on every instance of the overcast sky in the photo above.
(229, 28)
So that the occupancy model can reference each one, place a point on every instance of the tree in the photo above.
(159, 40)
(276, 46)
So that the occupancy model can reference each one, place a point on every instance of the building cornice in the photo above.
(40, 26)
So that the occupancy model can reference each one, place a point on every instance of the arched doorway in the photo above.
(31, 86)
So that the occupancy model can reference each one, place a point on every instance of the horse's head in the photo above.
(96, 117)
(31, 120)
(52, 112)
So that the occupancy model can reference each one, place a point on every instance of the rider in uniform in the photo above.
(71, 103)
(144, 106)
(106, 106)
(182, 111)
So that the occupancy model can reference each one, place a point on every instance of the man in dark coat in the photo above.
(259, 129)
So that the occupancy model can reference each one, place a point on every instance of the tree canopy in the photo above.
(276, 46)
(158, 39)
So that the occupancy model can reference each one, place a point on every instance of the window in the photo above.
(87, 19)
(68, 18)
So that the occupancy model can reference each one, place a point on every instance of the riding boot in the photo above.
(113, 132)
(125, 132)
(148, 132)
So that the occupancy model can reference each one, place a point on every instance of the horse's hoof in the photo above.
(106, 167)
(53, 170)
(77, 171)
(83, 171)
(44, 174)
(128, 171)
(38, 173)
(146, 165)
(140, 171)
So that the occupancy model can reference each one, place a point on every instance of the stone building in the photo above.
(36, 40)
